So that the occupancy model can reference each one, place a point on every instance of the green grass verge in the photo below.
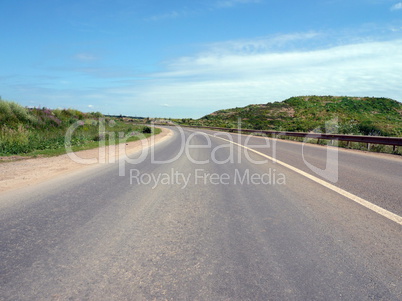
(86, 146)
(32, 132)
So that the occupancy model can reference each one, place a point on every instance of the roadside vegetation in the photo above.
(42, 131)
(355, 115)
(350, 115)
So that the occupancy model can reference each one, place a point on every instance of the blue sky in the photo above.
(190, 58)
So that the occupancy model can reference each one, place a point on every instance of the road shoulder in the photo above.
(23, 173)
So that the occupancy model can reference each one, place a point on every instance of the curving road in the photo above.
(200, 218)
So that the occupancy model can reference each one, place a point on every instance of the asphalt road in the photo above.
(206, 222)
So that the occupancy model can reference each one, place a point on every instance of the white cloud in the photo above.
(178, 13)
(85, 57)
(231, 3)
(397, 6)
(170, 15)
(238, 73)
(211, 81)
(262, 44)
(396, 29)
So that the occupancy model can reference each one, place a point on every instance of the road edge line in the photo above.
(377, 209)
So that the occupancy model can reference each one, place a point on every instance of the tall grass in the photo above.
(13, 141)
(13, 114)
(24, 130)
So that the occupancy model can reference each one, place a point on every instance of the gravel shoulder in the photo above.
(28, 172)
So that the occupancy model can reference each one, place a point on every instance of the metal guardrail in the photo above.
(395, 141)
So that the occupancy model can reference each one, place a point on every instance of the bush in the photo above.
(24, 130)
(368, 128)
(146, 130)
(20, 112)
(96, 114)
(5, 108)
(14, 140)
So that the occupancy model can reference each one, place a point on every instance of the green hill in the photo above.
(356, 115)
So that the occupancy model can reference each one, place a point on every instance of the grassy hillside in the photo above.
(43, 131)
(356, 115)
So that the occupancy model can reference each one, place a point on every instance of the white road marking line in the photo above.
(392, 216)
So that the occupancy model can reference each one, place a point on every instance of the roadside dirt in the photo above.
(26, 172)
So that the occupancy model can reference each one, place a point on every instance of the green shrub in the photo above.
(14, 141)
(96, 114)
(5, 108)
(20, 112)
(24, 130)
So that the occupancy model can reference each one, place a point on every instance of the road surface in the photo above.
(207, 221)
